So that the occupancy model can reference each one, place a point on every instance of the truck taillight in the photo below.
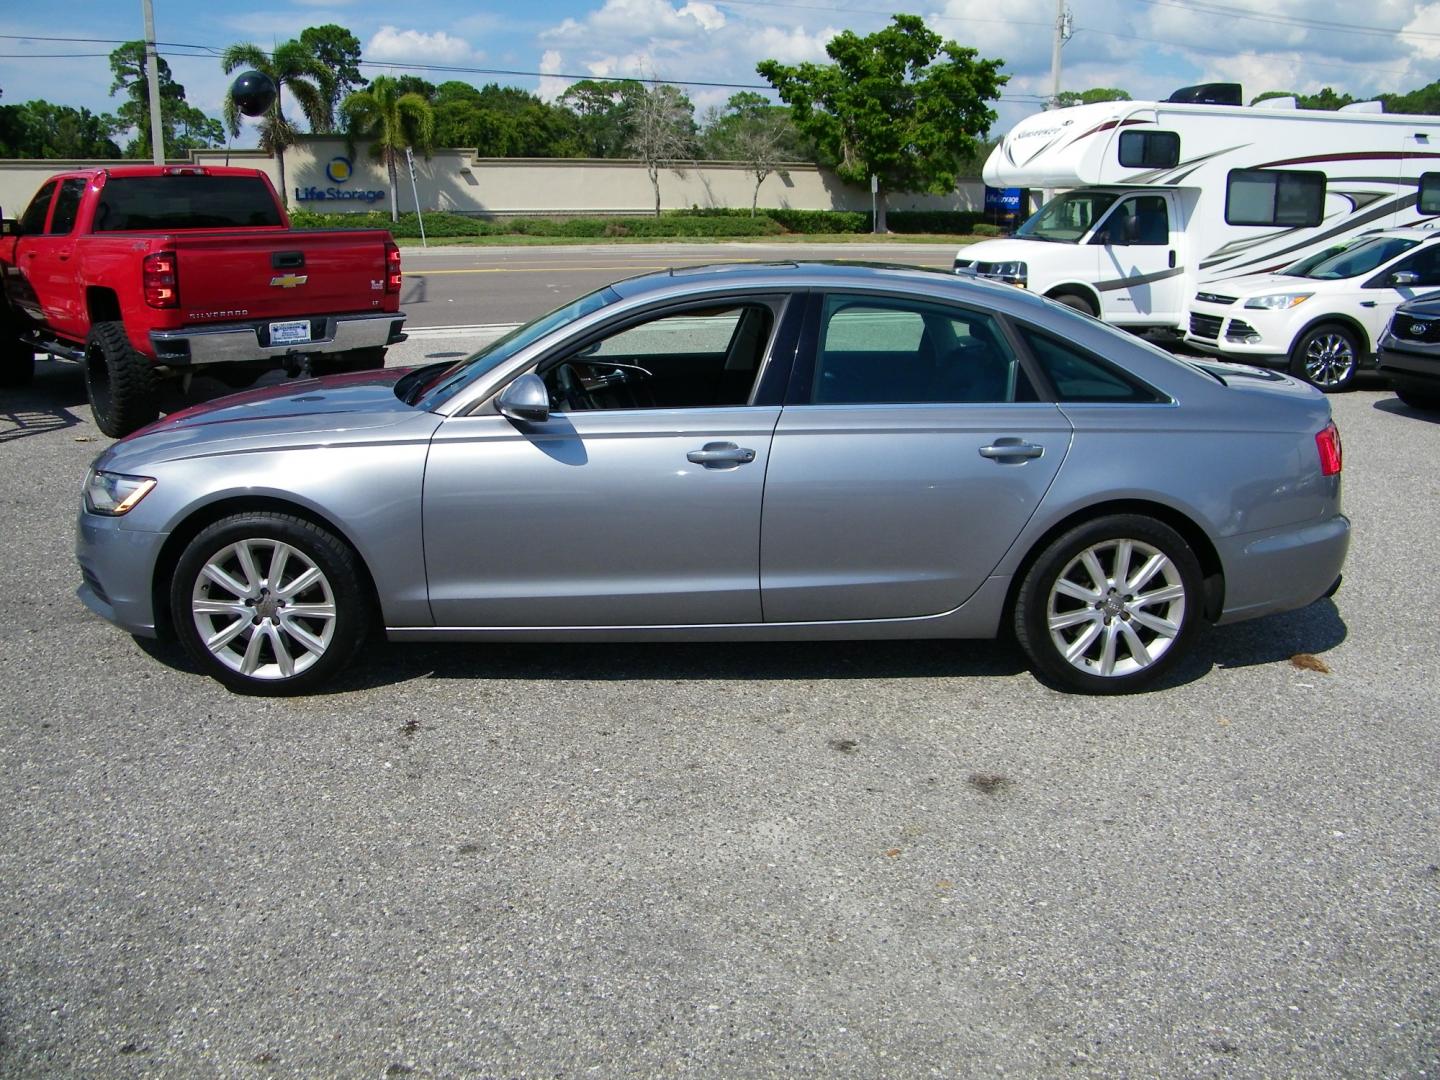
(161, 280)
(392, 267)
(1327, 441)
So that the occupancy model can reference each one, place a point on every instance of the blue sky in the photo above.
(1149, 47)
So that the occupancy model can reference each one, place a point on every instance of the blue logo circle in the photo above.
(339, 169)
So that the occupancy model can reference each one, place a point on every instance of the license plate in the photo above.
(288, 333)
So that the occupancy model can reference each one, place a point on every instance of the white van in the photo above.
(1165, 195)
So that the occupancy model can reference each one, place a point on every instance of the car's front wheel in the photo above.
(1326, 357)
(269, 603)
(1109, 606)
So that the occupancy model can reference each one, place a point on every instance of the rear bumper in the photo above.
(1282, 569)
(239, 342)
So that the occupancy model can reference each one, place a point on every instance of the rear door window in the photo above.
(1080, 377)
(67, 206)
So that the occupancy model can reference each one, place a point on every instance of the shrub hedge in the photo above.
(710, 221)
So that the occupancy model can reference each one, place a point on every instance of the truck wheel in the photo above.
(1326, 357)
(119, 381)
(17, 363)
(354, 360)
(1076, 302)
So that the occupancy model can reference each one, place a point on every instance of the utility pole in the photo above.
(152, 75)
(1063, 30)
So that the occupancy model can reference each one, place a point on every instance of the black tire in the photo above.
(119, 381)
(1076, 302)
(271, 615)
(1327, 357)
(17, 363)
(1417, 397)
(1041, 598)
(345, 362)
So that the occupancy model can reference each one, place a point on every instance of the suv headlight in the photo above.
(1280, 301)
(113, 494)
(1013, 273)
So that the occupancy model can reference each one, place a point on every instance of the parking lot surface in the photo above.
(716, 860)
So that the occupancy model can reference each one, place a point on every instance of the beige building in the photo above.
(321, 175)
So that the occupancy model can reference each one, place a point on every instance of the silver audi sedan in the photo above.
(758, 452)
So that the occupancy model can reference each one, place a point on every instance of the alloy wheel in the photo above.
(1329, 359)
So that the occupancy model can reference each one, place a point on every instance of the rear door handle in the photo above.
(720, 455)
(1004, 449)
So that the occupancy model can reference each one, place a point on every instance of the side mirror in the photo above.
(1401, 278)
(9, 227)
(525, 399)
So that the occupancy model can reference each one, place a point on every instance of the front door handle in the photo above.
(1367, 303)
(1172, 260)
(721, 455)
(1007, 449)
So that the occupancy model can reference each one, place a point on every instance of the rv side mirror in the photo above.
(1428, 201)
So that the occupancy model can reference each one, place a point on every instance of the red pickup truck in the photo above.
(150, 274)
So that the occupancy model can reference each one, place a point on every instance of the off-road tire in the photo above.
(1040, 592)
(343, 582)
(119, 381)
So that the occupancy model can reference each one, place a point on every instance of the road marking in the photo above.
(459, 331)
(560, 269)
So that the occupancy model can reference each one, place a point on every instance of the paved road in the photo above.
(842, 860)
(467, 285)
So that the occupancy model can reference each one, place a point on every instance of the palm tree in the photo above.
(394, 121)
(291, 66)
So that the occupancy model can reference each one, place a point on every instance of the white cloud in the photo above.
(391, 44)
(552, 87)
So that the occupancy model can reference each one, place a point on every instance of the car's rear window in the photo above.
(167, 203)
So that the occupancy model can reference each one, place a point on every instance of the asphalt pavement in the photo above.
(839, 860)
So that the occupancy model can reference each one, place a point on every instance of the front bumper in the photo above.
(239, 342)
(1413, 362)
(1227, 333)
(1282, 569)
(117, 566)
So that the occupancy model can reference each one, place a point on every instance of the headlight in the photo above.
(114, 494)
(1280, 301)
(1015, 273)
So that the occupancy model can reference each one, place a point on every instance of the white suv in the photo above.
(1321, 316)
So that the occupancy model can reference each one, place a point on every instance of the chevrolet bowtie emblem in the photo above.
(289, 281)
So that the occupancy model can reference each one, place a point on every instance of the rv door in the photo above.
(1141, 272)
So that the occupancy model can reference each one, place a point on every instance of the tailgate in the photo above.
(274, 274)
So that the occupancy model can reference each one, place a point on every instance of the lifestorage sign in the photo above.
(316, 194)
(338, 169)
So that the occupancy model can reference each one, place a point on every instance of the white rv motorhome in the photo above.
(1163, 195)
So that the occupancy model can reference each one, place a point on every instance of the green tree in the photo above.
(602, 108)
(41, 129)
(292, 67)
(891, 107)
(1094, 96)
(756, 132)
(183, 127)
(1327, 99)
(413, 84)
(339, 51)
(393, 121)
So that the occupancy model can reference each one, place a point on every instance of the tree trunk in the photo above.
(880, 227)
(280, 152)
(394, 185)
(755, 196)
(655, 183)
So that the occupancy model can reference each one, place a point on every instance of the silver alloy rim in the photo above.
(1328, 359)
(263, 609)
(1116, 608)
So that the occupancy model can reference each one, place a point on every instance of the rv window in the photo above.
(1149, 149)
(1429, 199)
(1274, 197)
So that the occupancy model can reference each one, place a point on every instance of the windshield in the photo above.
(440, 387)
(1348, 262)
(1067, 218)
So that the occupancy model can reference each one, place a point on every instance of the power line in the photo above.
(1285, 20)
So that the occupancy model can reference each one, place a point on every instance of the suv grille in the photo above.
(1416, 328)
(1205, 325)
(1215, 298)
(1238, 331)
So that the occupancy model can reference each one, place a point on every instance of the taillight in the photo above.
(392, 267)
(1327, 441)
(161, 280)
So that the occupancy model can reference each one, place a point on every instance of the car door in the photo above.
(1139, 276)
(911, 452)
(49, 262)
(637, 502)
(1417, 272)
(19, 284)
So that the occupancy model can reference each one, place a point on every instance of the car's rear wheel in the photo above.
(1326, 357)
(119, 381)
(1110, 605)
(1076, 302)
(270, 604)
